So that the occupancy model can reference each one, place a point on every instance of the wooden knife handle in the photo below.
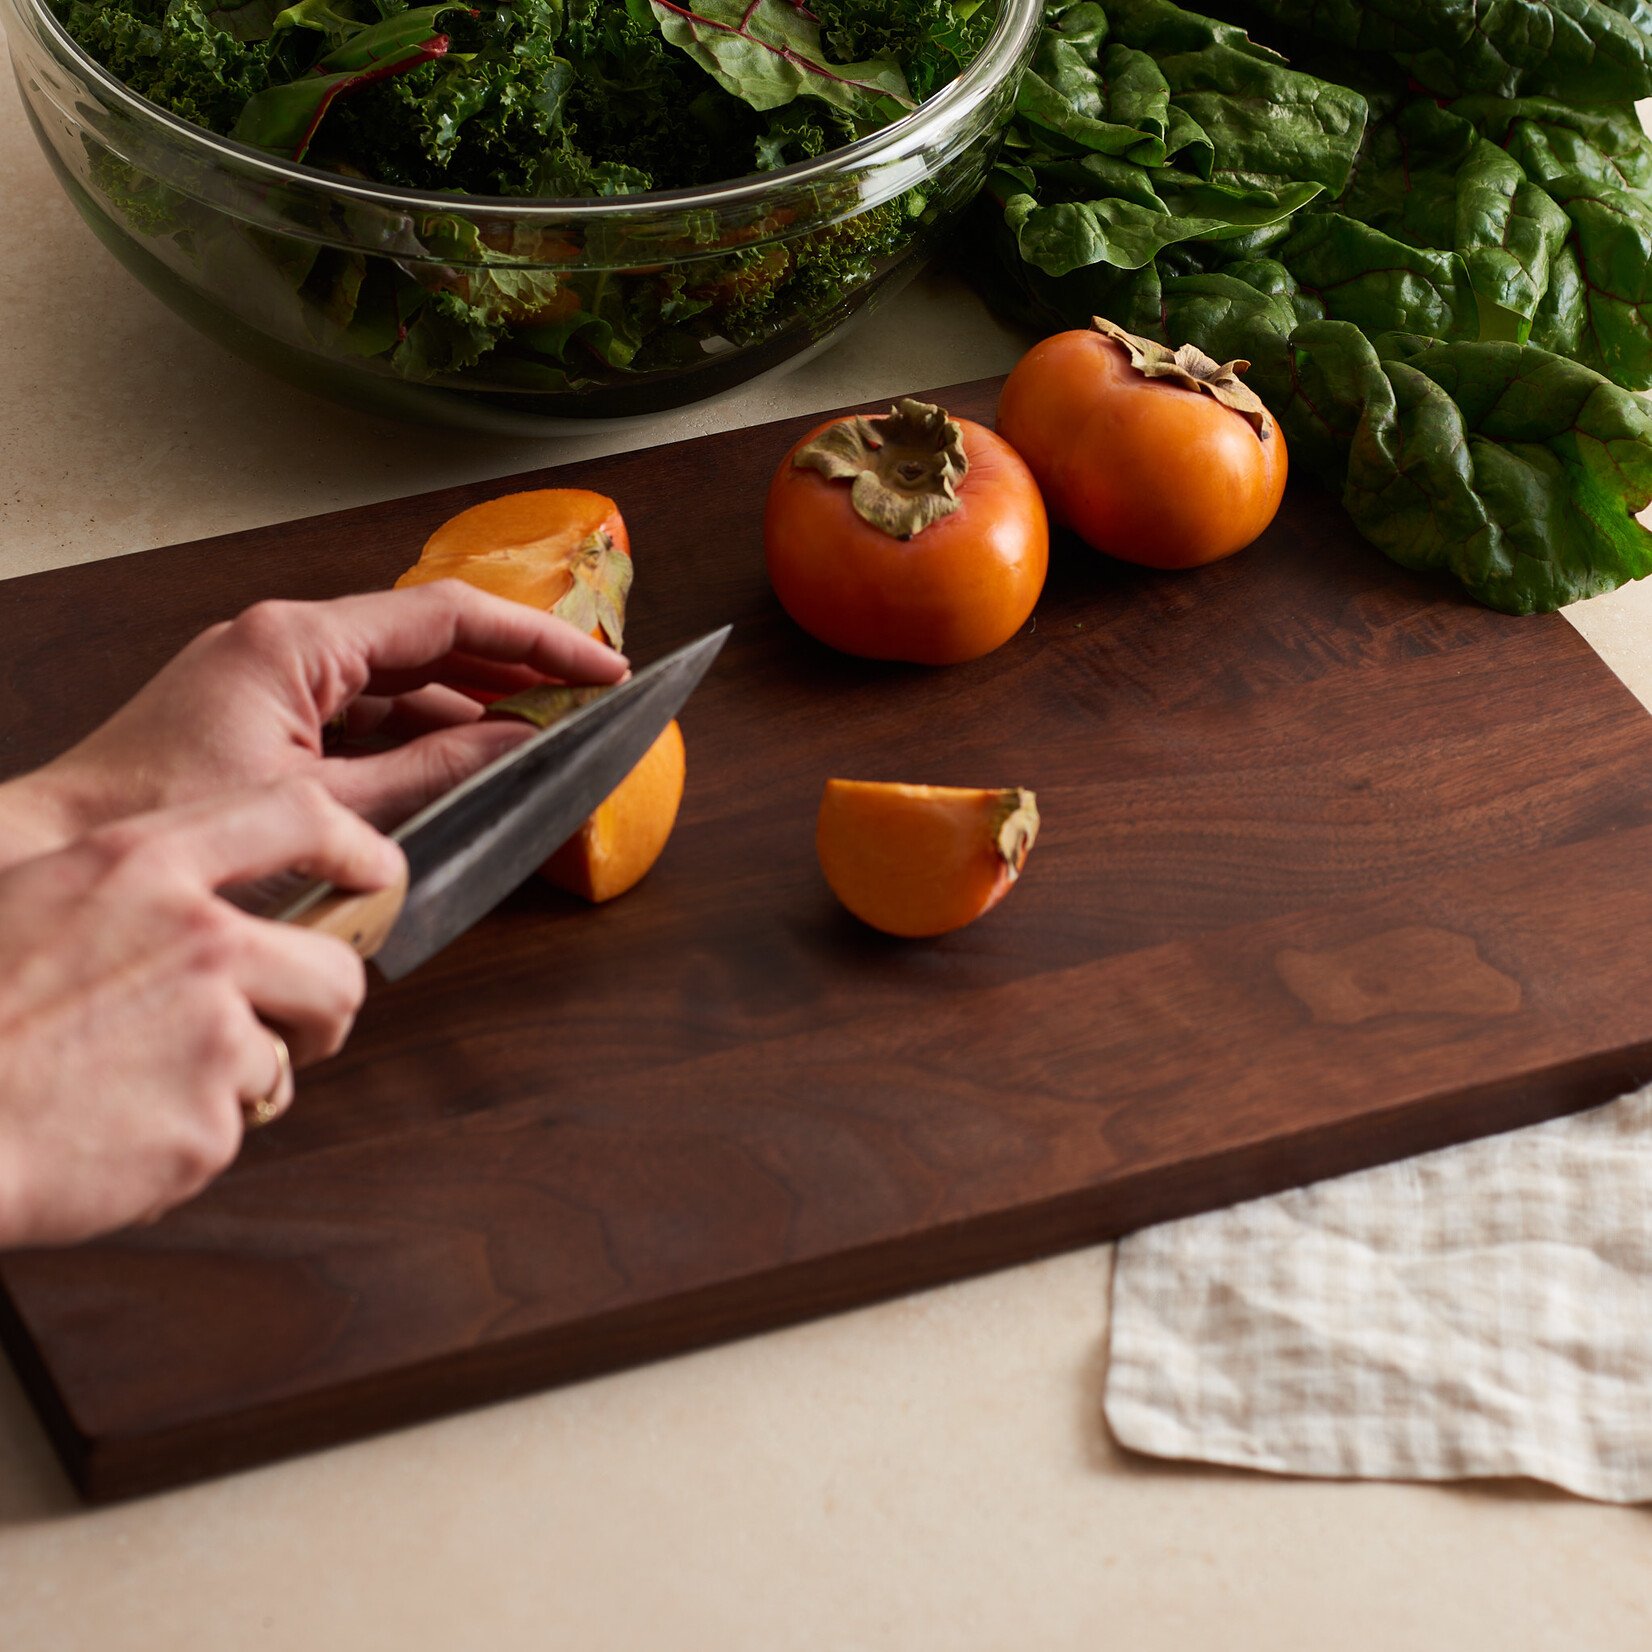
(362, 921)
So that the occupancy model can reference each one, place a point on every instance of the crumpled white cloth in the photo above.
(1482, 1311)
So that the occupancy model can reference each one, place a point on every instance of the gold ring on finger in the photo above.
(273, 1103)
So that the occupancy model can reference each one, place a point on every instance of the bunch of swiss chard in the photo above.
(1429, 233)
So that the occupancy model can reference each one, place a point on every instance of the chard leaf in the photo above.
(1554, 140)
(768, 52)
(1385, 26)
(1581, 52)
(1366, 277)
(1270, 125)
(1440, 323)
(402, 31)
(1577, 51)
(1512, 469)
(1110, 99)
(1611, 243)
(1127, 234)
(1427, 178)
(285, 117)
(320, 15)
(249, 21)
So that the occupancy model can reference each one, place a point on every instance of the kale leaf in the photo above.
(536, 97)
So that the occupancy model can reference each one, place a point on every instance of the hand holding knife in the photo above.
(471, 847)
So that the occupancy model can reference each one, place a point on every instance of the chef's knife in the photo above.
(473, 845)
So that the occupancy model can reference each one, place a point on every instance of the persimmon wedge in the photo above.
(627, 832)
(923, 860)
(564, 550)
(617, 846)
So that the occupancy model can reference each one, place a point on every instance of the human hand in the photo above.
(132, 1002)
(247, 703)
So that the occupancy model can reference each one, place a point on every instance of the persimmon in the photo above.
(565, 550)
(909, 536)
(619, 844)
(627, 832)
(561, 549)
(1157, 456)
(922, 860)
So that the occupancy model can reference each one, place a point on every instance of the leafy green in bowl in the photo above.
(542, 209)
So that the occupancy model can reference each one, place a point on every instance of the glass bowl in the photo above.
(591, 309)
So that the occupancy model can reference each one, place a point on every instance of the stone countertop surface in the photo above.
(933, 1473)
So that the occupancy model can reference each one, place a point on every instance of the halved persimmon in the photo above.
(922, 860)
(618, 845)
(564, 550)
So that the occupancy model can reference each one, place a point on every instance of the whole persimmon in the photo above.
(906, 536)
(1157, 456)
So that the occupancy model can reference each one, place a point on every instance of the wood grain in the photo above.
(1335, 867)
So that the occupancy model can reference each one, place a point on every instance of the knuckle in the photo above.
(337, 987)
(456, 596)
(210, 1142)
(307, 797)
(351, 978)
(112, 845)
(264, 625)
(139, 851)
(446, 591)
(211, 938)
(221, 1019)
(348, 989)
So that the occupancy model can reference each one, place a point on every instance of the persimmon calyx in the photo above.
(1016, 828)
(601, 574)
(544, 703)
(904, 466)
(1191, 368)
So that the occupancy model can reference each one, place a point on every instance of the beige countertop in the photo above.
(929, 1474)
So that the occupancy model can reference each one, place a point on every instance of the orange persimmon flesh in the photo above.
(564, 550)
(615, 848)
(922, 860)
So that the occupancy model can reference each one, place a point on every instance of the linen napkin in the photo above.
(1482, 1311)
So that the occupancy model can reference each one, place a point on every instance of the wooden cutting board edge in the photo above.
(111, 1469)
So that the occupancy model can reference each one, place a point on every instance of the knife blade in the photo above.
(469, 848)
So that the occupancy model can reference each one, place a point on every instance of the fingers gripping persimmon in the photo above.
(1157, 456)
(922, 860)
(910, 536)
(564, 550)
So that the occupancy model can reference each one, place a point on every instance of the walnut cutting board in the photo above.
(1336, 867)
